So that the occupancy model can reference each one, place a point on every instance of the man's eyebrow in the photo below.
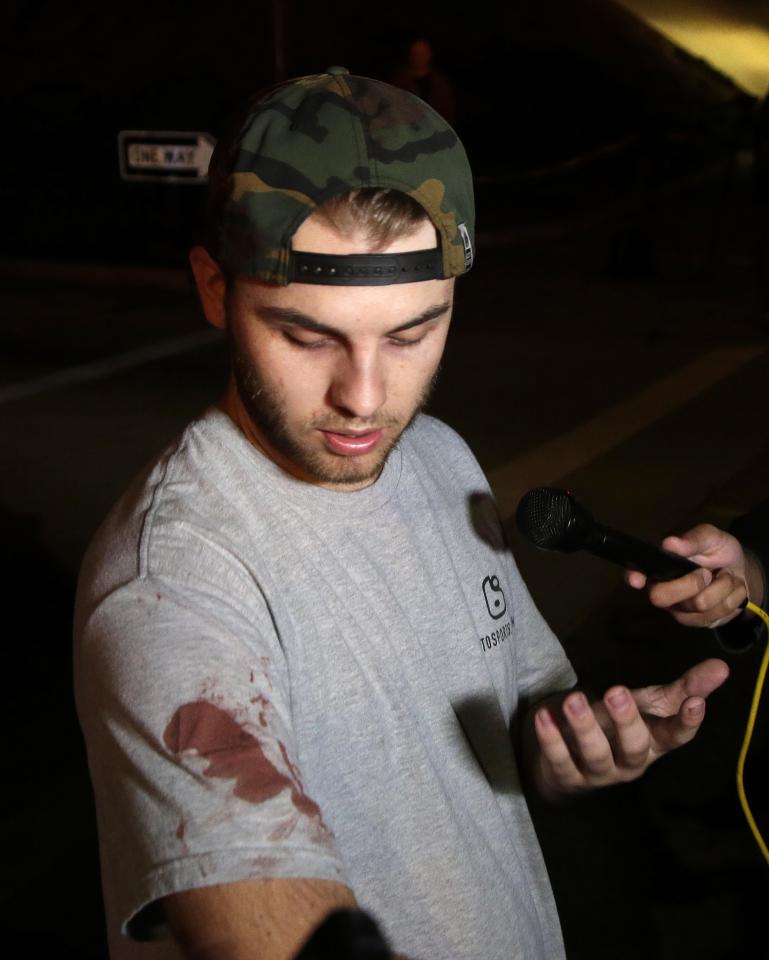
(299, 319)
(432, 313)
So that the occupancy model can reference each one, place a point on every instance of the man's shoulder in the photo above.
(176, 473)
(181, 490)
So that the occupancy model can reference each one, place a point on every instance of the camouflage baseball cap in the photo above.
(310, 139)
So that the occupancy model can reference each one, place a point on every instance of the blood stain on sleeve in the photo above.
(263, 703)
(301, 801)
(265, 664)
(235, 754)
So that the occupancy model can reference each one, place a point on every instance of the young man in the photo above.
(302, 643)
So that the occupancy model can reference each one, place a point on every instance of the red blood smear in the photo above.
(233, 754)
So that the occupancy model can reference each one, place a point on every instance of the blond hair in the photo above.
(382, 215)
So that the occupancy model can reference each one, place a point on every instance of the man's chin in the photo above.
(347, 473)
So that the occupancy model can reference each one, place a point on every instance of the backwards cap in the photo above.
(310, 139)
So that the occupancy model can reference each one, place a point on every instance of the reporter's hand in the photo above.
(707, 597)
(583, 746)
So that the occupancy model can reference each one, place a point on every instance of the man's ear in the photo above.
(211, 284)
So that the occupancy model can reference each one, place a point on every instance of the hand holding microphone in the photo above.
(699, 577)
(719, 593)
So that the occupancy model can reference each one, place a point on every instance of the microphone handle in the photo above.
(635, 554)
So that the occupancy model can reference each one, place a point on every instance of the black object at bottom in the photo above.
(346, 935)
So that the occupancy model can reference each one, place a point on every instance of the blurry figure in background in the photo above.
(420, 76)
(734, 566)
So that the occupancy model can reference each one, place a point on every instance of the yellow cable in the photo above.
(749, 734)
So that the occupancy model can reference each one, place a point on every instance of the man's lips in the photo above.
(352, 444)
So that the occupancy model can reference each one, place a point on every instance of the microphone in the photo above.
(553, 520)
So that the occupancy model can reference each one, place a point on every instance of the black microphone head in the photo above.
(552, 519)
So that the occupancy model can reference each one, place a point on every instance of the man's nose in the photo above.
(358, 386)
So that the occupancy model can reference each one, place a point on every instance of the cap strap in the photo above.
(365, 269)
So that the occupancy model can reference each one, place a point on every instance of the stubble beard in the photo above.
(266, 409)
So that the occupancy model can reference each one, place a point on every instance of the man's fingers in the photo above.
(678, 591)
(632, 739)
(615, 740)
(582, 755)
(698, 543)
(635, 579)
(703, 678)
(666, 700)
(717, 604)
(699, 600)
(711, 549)
(675, 731)
(563, 773)
(707, 546)
(594, 754)
(726, 592)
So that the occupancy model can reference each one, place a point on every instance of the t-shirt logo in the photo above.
(494, 597)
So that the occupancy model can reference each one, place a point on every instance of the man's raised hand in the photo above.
(584, 745)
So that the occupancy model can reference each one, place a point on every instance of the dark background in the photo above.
(622, 233)
(537, 84)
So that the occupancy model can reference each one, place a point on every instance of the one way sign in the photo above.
(168, 156)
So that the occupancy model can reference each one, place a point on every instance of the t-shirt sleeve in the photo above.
(542, 665)
(185, 707)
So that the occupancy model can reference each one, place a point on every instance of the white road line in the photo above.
(562, 455)
(101, 369)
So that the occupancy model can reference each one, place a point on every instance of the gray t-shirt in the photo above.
(279, 680)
